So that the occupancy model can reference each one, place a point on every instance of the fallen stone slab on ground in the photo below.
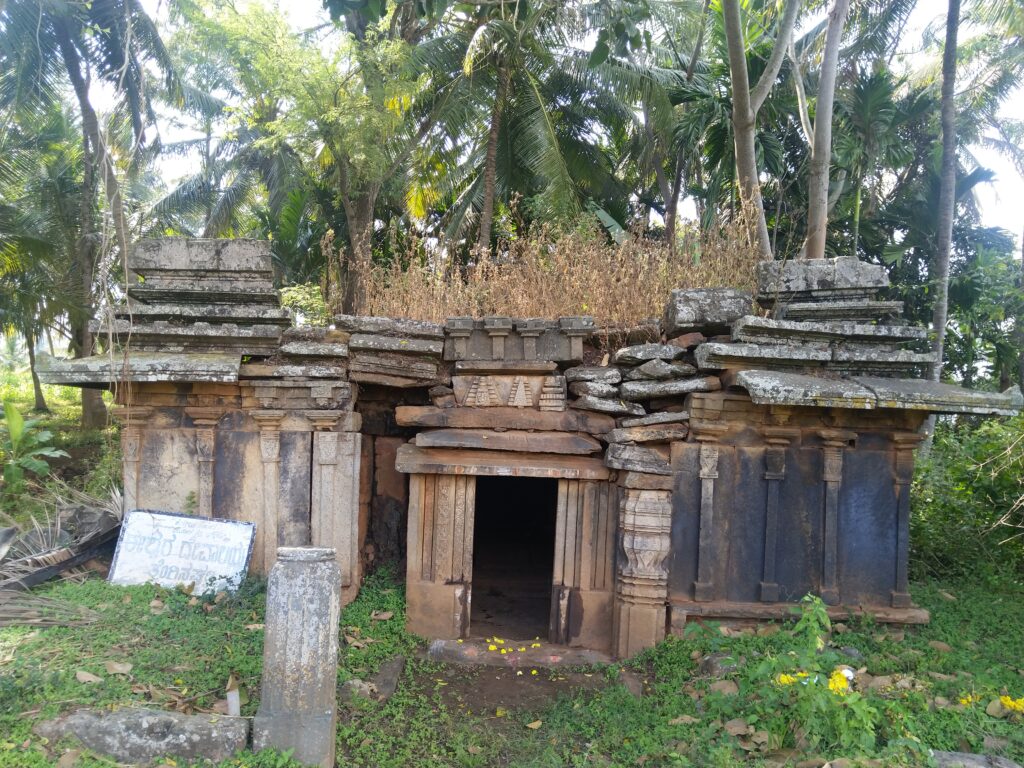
(141, 736)
(969, 760)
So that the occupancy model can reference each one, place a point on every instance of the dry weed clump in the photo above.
(576, 274)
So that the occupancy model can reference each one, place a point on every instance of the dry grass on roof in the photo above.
(577, 274)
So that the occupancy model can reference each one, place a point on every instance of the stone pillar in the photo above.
(834, 441)
(498, 328)
(530, 330)
(778, 439)
(334, 511)
(205, 421)
(298, 699)
(133, 420)
(645, 525)
(265, 547)
(904, 444)
(707, 434)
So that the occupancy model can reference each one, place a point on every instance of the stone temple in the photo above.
(539, 477)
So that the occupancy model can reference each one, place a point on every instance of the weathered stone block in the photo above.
(659, 370)
(140, 736)
(602, 405)
(594, 373)
(298, 702)
(648, 390)
(818, 279)
(641, 353)
(180, 253)
(594, 388)
(657, 418)
(388, 326)
(708, 310)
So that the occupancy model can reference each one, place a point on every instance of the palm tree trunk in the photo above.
(359, 254)
(821, 151)
(947, 189)
(483, 242)
(37, 388)
(672, 207)
(1019, 320)
(94, 412)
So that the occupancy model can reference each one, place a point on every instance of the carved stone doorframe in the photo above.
(442, 510)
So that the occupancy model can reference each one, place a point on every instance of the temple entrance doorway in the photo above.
(513, 556)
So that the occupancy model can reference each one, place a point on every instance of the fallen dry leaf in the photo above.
(940, 646)
(474, 750)
(118, 667)
(68, 759)
(683, 720)
(156, 607)
(737, 727)
(946, 595)
(725, 687)
(219, 597)
(354, 642)
(253, 627)
(381, 615)
(535, 725)
(87, 677)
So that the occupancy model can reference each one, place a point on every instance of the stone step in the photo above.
(716, 356)
(853, 309)
(761, 329)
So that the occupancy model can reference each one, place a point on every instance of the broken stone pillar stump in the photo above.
(298, 700)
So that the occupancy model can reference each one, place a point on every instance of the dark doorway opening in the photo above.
(513, 556)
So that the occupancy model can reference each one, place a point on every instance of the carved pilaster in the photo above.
(904, 444)
(270, 453)
(334, 513)
(778, 440)
(834, 442)
(707, 434)
(205, 421)
(498, 328)
(645, 525)
(133, 421)
(530, 331)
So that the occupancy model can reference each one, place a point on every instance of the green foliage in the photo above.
(306, 303)
(25, 448)
(967, 500)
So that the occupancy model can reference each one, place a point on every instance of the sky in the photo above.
(1001, 202)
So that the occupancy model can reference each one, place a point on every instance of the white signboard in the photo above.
(168, 549)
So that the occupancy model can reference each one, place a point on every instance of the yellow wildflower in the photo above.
(535, 645)
(492, 647)
(786, 679)
(1014, 705)
(533, 671)
(970, 698)
(838, 683)
(499, 641)
(503, 651)
(522, 649)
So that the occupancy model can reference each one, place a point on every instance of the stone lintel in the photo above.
(925, 395)
(755, 329)
(441, 461)
(105, 370)
(784, 388)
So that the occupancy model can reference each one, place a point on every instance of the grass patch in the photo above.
(185, 654)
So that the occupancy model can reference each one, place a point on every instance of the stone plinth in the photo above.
(298, 700)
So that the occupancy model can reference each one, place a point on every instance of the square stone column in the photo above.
(133, 420)
(205, 420)
(265, 547)
(334, 512)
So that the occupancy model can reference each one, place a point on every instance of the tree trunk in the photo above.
(483, 242)
(821, 151)
(37, 388)
(672, 207)
(94, 412)
(745, 105)
(947, 190)
(359, 253)
(1020, 318)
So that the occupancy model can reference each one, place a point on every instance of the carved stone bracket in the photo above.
(707, 434)
(133, 422)
(904, 444)
(834, 442)
(645, 524)
(778, 440)
(270, 452)
(205, 420)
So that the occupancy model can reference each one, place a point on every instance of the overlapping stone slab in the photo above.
(760, 329)
(924, 395)
(102, 370)
(858, 310)
(717, 356)
(783, 388)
